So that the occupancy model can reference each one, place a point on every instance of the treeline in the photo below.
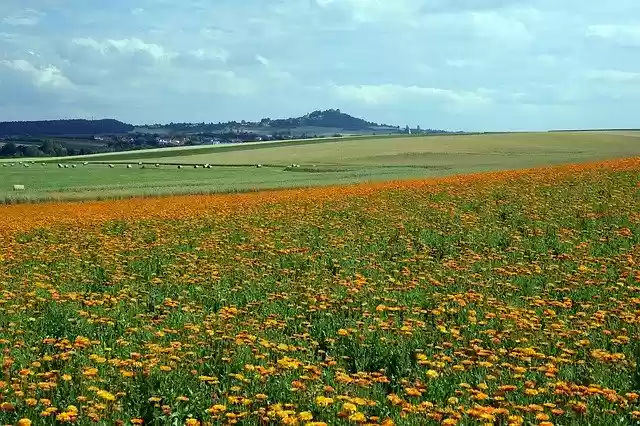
(63, 127)
(47, 149)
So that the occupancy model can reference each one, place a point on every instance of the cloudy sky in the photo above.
(451, 64)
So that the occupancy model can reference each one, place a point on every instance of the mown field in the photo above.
(506, 298)
(322, 162)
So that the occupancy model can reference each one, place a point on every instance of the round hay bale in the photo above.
(74, 166)
(129, 166)
(179, 167)
(60, 166)
(258, 166)
(111, 166)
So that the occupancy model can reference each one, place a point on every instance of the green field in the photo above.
(322, 162)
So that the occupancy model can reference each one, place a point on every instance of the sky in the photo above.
(447, 64)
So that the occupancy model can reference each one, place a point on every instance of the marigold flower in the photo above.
(349, 407)
(305, 416)
(323, 401)
(432, 374)
(357, 417)
(107, 396)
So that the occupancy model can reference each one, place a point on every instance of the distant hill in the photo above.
(63, 127)
(317, 122)
(333, 118)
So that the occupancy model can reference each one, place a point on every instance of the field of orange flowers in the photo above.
(508, 298)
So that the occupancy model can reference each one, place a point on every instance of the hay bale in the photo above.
(259, 166)
(60, 166)
(18, 187)
(74, 166)
(179, 167)
(66, 166)
(129, 166)
(157, 165)
(111, 166)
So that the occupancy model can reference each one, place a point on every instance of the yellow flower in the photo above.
(343, 332)
(107, 396)
(357, 417)
(90, 372)
(349, 407)
(24, 422)
(305, 416)
(324, 401)
(432, 374)
(218, 408)
(192, 422)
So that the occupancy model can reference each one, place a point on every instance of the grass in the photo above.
(323, 162)
(49, 183)
(504, 298)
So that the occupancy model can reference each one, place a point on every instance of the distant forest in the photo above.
(63, 127)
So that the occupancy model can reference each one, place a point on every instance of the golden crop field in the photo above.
(506, 298)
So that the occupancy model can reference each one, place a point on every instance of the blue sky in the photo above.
(463, 64)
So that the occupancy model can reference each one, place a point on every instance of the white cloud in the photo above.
(264, 61)
(228, 83)
(49, 76)
(128, 45)
(621, 34)
(27, 17)
(500, 27)
(393, 93)
(614, 76)
(376, 10)
(210, 54)
(460, 63)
